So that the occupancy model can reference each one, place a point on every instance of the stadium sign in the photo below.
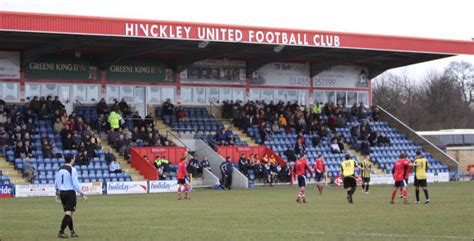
(62, 68)
(215, 72)
(145, 71)
(35, 190)
(163, 186)
(225, 34)
(127, 187)
(9, 65)
(6, 191)
(92, 188)
(282, 74)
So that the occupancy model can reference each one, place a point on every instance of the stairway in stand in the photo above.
(243, 136)
(360, 157)
(126, 167)
(8, 170)
(164, 129)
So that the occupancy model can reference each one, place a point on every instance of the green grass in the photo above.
(259, 214)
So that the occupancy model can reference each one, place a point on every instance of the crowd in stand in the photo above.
(17, 125)
(126, 129)
(266, 168)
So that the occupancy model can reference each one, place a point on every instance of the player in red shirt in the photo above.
(399, 172)
(407, 175)
(319, 170)
(181, 176)
(299, 170)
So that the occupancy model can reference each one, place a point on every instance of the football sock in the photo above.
(70, 224)
(64, 223)
(363, 186)
(417, 194)
(394, 193)
(405, 193)
(426, 194)
(367, 187)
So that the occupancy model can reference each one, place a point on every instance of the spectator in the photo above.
(299, 147)
(316, 111)
(20, 150)
(102, 108)
(220, 136)
(47, 149)
(226, 172)
(122, 145)
(137, 120)
(229, 135)
(109, 157)
(81, 158)
(290, 155)
(375, 113)
(69, 143)
(162, 166)
(168, 108)
(58, 126)
(335, 147)
(205, 164)
(28, 170)
(124, 108)
(193, 167)
(383, 140)
(115, 167)
(115, 120)
(243, 164)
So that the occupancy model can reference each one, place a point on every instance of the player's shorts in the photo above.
(182, 181)
(349, 181)
(319, 176)
(301, 181)
(366, 179)
(420, 183)
(68, 199)
(401, 183)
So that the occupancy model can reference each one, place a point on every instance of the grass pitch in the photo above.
(259, 214)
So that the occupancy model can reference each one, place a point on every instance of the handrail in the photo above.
(426, 141)
(168, 133)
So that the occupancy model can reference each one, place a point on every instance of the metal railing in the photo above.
(422, 141)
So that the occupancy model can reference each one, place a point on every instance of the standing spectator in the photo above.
(193, 167)
(102, 108)
(226, 172)
(243, 164)
(290, 155)
(115, 120)
(28, 169)
(109, 157)
(168, 108)
(58, 126)
(205, 164)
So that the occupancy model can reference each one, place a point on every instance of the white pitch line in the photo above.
(321, 232)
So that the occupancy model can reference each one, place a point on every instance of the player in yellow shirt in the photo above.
(365, 170)
(348, 173)
(421, 167)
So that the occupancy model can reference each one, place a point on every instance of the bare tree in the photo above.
(463, 74)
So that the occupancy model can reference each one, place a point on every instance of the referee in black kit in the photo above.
(67, 184)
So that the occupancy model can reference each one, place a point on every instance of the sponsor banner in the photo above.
(35, 190)
(144, 71)
(282, 74)
(215, 72)
(92, 188)
(342, 76)
(62, 68)
(6, 191)
(9, 65)
(163, 186)
(127, 187)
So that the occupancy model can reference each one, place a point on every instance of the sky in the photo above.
(432, 19)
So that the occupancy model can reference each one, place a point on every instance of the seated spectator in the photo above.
(122, 145)
(161, 165)
(102, 125)
(299, 147)
(282, 121)
(332, 122)
(243, 164)
(220, 136)
(109, 157)
(229, 135)
(372, 139)
(275, 127)
(43, 113)
(58, 126)
(335, 147)
(69, 143)
(81, 158)
(115, 167)
(3, 140)
(30, 125)
(340, 121)
(383, 140)
(20, 150)
(180, 114)
(47, 149)
(375, 113)
(137, 120)
(29, 171)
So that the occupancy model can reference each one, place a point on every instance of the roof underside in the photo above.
(178, 54)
